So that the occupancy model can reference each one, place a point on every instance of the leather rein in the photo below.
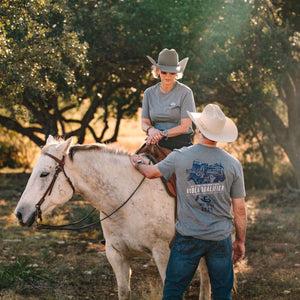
(38, 213)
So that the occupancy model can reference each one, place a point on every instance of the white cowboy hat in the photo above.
(168, 61)
(214, 124)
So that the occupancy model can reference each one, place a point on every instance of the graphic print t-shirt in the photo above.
(207, 179)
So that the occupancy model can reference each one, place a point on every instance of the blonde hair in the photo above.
(156, 74)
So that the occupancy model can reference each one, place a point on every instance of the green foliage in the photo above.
(39, 64)
(59, 58)
(20, 272)
(249, 62)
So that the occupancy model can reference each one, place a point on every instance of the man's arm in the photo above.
(240, 220)
(150, 171)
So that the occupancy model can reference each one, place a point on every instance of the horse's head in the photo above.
(41, 180)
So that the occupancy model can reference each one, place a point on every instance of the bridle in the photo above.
(58, 169)
(38, 212)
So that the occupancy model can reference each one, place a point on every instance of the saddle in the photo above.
(156, 154)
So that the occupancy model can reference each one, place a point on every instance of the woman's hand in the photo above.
(154, 136)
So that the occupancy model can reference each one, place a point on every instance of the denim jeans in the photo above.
(184, 260)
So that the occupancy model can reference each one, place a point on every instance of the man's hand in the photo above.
(150, 171)
(137, 159)
(238, 251)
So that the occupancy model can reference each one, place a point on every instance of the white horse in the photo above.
(144, 227)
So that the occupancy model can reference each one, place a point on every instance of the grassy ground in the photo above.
(64, 265)
(72, 265)
(271, 269)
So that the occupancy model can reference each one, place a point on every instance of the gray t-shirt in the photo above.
(166, 110)
(207, 178)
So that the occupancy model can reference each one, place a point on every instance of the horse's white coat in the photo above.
(143, 227)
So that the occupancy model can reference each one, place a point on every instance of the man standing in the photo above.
(209, 183)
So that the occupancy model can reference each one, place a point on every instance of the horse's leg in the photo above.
(161, 253)
(121, 267)
(205, 289)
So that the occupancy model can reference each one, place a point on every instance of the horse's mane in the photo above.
(97, 147)
(108, 148)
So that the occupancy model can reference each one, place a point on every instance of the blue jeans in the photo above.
(184, 260)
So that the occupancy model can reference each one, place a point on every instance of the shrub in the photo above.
(256, 176)
(9, 155)
(16, 151)
(284, 175)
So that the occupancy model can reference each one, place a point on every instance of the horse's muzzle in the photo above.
(28, 223)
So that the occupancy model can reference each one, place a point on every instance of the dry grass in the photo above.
(271, 269)
(67, 265)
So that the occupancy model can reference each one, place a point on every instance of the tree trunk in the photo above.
(267, 161)
(295, 161)
(288, 137)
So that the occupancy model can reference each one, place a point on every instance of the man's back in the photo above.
(207, 179)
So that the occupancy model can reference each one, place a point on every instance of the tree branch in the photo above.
(29, 132)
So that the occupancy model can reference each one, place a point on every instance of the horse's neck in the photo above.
(104, 179)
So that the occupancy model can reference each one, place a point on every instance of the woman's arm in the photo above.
(154, 135)
(146, 123)
(181, 129)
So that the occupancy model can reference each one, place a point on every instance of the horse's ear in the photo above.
(50, 140)
(63, 147)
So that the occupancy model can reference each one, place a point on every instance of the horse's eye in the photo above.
(44, 174)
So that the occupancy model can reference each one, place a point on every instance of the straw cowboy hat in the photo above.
(168, 61)
(214, 125)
